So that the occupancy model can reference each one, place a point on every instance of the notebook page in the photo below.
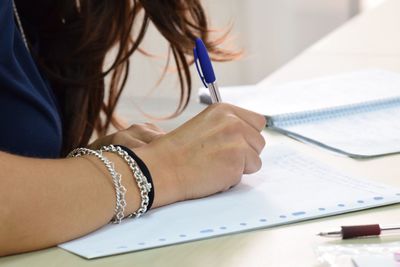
(324, 92)
(366, 134)
(361, 135)
(283, 120)
(288, 188)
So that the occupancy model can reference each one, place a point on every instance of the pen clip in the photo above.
(199, 70)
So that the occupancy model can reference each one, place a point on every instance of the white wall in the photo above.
(273, 32)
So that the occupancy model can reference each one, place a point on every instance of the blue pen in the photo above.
(205, 70)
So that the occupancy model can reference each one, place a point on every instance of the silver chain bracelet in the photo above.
(141, 179)
(120, 190)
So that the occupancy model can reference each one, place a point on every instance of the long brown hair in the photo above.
(76, 35)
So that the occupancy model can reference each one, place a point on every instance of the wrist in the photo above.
(132, 193)
(127, 179)
(164, 177)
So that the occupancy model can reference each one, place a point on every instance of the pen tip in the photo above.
(323, 234)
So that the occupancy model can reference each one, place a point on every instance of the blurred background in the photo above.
(271, 33)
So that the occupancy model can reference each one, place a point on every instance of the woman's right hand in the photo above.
(206, 155)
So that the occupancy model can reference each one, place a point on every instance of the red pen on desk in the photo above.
(354, 231)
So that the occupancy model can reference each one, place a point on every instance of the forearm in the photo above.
(46, 202)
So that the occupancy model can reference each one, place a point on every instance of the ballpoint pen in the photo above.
(347, 232)
(205, 70)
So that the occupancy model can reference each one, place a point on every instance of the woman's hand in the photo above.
(206, 155)
(135, 136)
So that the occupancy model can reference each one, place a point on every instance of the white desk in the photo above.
(371, 40)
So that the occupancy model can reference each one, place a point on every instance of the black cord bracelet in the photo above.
(145, 172)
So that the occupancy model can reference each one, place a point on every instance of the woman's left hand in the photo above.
(135, 136)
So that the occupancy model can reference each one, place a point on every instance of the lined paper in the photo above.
(280, 193)
(318, 111)
(359, 135)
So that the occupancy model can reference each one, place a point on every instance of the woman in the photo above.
(51, 99)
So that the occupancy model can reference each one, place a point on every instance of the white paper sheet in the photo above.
(324, 92)
(375, 261)
(288, 188)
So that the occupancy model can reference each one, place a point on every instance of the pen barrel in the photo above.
(360, 230)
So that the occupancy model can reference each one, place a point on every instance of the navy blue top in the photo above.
(30, 123)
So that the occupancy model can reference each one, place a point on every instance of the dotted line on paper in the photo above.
(262, 220)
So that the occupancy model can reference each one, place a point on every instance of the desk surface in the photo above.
(371, 40)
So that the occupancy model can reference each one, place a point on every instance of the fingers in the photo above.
(253, 162)
(249, 154)
(253, 138)
(244, 142)
(242, 128)
(133, 143)
(154, 127)
(135, 136)
(237, 128)
(255, 120)
(145, 132)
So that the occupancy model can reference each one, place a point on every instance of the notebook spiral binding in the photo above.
(290, 119)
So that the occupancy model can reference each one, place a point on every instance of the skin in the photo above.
(45, 202)
(135, 136)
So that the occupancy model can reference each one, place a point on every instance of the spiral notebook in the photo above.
(289, 188)
(356, 114)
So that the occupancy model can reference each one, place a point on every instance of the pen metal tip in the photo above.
(330, 234)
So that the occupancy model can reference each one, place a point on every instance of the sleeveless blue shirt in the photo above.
(30, 122)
